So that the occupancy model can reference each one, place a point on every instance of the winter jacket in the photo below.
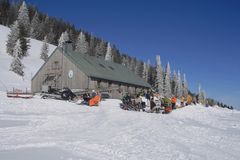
(189, 99)
(152, 104)
(166, 102)
(174, 100)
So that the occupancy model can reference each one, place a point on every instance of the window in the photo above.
(109, 84)
(98, 83)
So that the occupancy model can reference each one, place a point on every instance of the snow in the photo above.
(32, 63)
(54, 129)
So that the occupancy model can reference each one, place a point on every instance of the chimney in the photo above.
(67, 46)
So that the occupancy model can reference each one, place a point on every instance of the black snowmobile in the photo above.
(63, 94)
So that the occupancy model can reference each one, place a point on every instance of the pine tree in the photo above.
(82, 44)
(201, 95)
(73, 36)
(91, 48)
(138, 68)
(185, 86)
(152, 74)
(45, 50)
(124, 60)
(51, 37)
(167, 82)
(12, 38)
(4, 11)
(174, 83)
(145, 72)
(23, 18)
(159, 76)
(116, 56)
(179, 85)
(132, 63)
(35, 25)
(24, 41)
(108, 56)
(64, 37)
(16, 65)
(12, 13)
(45, 27)
(100, 49)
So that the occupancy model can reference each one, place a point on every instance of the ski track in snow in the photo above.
(57, 129)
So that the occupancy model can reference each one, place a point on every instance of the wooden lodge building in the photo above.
(67, 68)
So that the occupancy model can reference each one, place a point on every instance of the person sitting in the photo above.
(93, 93)
(126, 98)
(138, 103)
(167, 105)
(86, 98)
(189, 100)
(182, 101)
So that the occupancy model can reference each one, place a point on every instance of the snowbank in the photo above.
(53, 129)
(32, 63)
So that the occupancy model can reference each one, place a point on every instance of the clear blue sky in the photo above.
(199, 37)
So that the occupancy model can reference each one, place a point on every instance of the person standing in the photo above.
(147, 96)
(174, 101)
(152, 104)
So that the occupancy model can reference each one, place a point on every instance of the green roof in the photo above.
(101, 69)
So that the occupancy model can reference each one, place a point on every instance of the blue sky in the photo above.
(199, 37)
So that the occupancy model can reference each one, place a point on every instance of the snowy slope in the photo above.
(32, 63)
(52, 130)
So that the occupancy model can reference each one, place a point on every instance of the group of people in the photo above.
(155, 102)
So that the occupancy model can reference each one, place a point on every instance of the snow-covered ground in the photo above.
(32, 63)
(53, 129)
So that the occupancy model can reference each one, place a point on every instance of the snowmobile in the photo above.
(132, 106)
(63, 94)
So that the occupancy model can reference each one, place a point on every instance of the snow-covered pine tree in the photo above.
(167, 82)
(51, 37)
(159, 76)
(63, 38)
(16, 65)
(185, 86)
(108, 56)
(148, 65)
(91, 48)
(174, 83)
(35, 27)
(23, 18)
(201, 96)
(133, 63)
(100, 49)
(116, 56)
(179, 85)
(145, 72)
(82, 44)
(12, 38)
(152, 77)
(5, 6)
(138, 68)
(46, 26)
(44, 50)
(130, 63)
(24, 41)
